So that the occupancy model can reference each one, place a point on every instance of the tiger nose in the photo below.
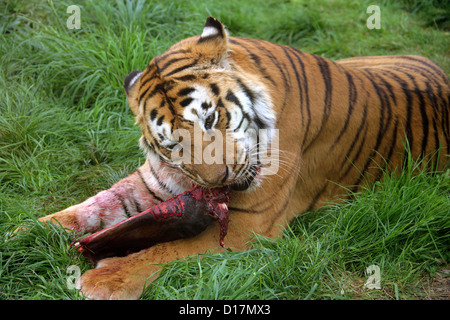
(213, 174)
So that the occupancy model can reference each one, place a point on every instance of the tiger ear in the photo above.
(214, 40)
(131, 89)
(213, 31)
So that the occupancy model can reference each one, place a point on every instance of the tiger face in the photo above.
(195, 98)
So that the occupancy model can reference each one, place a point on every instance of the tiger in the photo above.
(340, 125)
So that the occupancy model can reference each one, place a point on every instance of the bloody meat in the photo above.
(182, 216)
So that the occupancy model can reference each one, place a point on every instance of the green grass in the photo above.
(66, 133)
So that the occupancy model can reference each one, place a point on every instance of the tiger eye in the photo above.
(209, 121)
(171, 146)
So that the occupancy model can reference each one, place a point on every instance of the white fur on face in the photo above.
(194, 111)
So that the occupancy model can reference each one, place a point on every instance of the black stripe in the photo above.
(328, 92)
(261, 46)
(352, 146)
(207, 38)
(232, 98)
(157, 88)
(161, 183)
(147, 144)
(154, 143)
(186, 102)
(385, 102)
(136, 204)
(170, 62)
(249, 93)
(352, 162)
(169, 103)
(185, 92)
(446, 120)
(153, 114)
(438, 108)
(388, 87)
(280, 66)
(326, 75)
(297, 76)
(242, 167)
(227, 173)
(214, 88)
(268, 204)
(390, 152)
(316, 197)
(423, 113)
(227, 113)
(424, 72)
(431, 94)
(352, 95)
(147, 187)
(433, 66)
(258, 162)
(251, 96)
(147, 70)
(162, 103)
(171, 53)
(188, 77)
(179, 69)
(247, 210)
(144, 92)
(437, 145)
(304, 81)
(151, 71)
(276, 62)
(122, 203)
(160, 120)
(405, 88)
(438, 114)
(253, 57)
(240, 124)
(381, 129)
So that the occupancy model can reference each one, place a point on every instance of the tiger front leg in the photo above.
(128, 197)
(126, 277)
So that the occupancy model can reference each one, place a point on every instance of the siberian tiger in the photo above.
(339, 124)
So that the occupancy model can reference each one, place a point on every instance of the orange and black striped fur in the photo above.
(340, 125)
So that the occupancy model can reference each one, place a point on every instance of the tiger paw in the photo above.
(110, 281)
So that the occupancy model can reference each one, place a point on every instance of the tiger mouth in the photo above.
(244, 185)
(245, 182)
(241, 184)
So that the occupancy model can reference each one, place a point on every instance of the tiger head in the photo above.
(199, 96)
